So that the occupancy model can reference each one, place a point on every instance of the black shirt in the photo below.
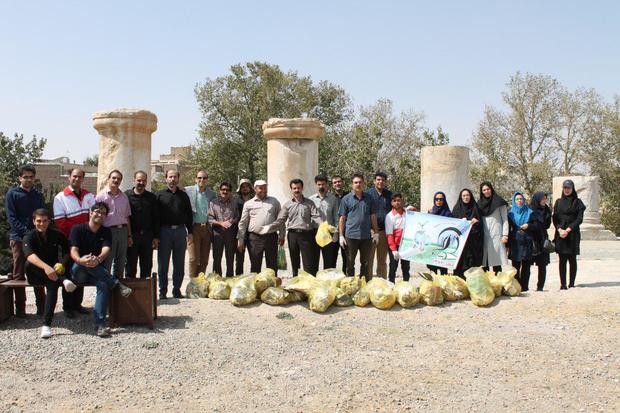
(50, 250)
(175, 209)
(144, 212)
(89, 242)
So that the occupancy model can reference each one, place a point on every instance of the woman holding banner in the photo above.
(466, 208)
(440, 207)
(494, 211)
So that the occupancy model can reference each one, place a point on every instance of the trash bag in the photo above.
(265, 279)
(461, 286)
(198, 287)
(343, 299)
(296, 296)
(510, 285)
(431, 293)
(479, 286)
(219, 290)
(406, 294)
(496, 284)
(244, 291)
(281, 258)
(351, 285)
(332, 275)
(212, 276)
(275, 296)
(361, 298)
(231, 281)
(452, 289)
(321, 297)
(303, 283)
(324, 234)
(381, 293)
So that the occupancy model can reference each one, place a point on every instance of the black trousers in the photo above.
(542, 276)
(404, 267)
(266, 245)
(523, 273)
(571, 259)
(304, 243)
(364, 246)
(224, 240)
(343, 255)
(240, 257)
(142, 249)
(330, 255)
(437, 270)
(36, 276)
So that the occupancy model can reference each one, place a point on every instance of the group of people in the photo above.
(105, 237)
(518, 233)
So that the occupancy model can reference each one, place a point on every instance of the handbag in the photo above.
(535, 248)
(549, 246)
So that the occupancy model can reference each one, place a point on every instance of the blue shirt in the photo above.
(358, 212)
(20, 204)
(383, 203)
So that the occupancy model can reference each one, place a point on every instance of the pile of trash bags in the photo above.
(332, 287)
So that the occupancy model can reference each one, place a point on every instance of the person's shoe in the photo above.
(571, 285)
(539, 289)
(82, 310)
(563, 288)
(177, 294)
(20, 313)
(69, 313)
(46, 332)
(103, 331)
(163, 296)
(69, 285)
(125, 291)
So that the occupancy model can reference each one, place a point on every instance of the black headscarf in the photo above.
(568, 204)
(444, 209)
(466, 210)
(535, 201)
(488, 205)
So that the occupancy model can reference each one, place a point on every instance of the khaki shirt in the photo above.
(220, 210)
(258, 213)
(298, 215)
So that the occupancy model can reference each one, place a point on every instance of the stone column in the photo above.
(443, 168)
(292, 152)
(124, 143)
(587, 188)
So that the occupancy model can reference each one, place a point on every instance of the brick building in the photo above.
(53, 176)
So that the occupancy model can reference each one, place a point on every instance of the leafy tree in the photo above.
(13, 153)
(92, 160)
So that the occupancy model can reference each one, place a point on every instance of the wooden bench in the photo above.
(139, 308)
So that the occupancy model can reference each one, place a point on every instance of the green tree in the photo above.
(234, 106)
(13, 153)
(92, 160)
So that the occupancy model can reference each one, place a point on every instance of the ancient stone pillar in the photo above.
(444, 168)
(124, 143)
(292, 152)
(587, 188)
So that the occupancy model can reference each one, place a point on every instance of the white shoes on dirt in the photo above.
(46, 332)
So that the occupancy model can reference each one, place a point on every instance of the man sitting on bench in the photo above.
(90, 245)
(45, 249)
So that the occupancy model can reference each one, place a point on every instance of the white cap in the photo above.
(260, 182)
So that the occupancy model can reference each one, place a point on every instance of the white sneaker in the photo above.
(46, 332)
(69, 286)
(125, 291)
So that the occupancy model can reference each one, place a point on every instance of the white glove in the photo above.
(343, 242)
(375, 237)
(396, 255)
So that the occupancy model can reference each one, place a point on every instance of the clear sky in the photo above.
(64, 60)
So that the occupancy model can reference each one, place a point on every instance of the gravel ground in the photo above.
(546, 351)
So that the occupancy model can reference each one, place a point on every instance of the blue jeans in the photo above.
(171, 241)
(104, 282)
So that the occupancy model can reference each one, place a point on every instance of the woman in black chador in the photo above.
(541, 221)
(567, 216)
(466, 208)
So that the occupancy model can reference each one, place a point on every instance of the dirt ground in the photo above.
(551, 351)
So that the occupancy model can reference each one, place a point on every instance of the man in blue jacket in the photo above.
(21, 202)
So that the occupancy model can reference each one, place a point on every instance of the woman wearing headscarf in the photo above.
(440, 207)
(466, 208)
(520, 238)
(494, 212)
(567, 216)
(539, 225)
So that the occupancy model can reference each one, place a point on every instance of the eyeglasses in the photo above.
(201, 177)
(224, 190)
(439, 199)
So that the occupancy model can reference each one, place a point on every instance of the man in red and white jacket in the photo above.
(72, 207)
(394, 226)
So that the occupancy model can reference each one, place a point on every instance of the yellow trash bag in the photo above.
(510, 285)
(406, 294)
(198, 287)
(324, 234)
(461, 286)
(361, 298)
(295, 296)
(431, 293)
(321, 297)
(219, 290)
(244, 291)
(479, 286)
(303, 283)
(496, 284)
(350, 285)
(343, 299)
(275, 296)
(265, 279)
(452, 289)
(332, 275)
(381, 292)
